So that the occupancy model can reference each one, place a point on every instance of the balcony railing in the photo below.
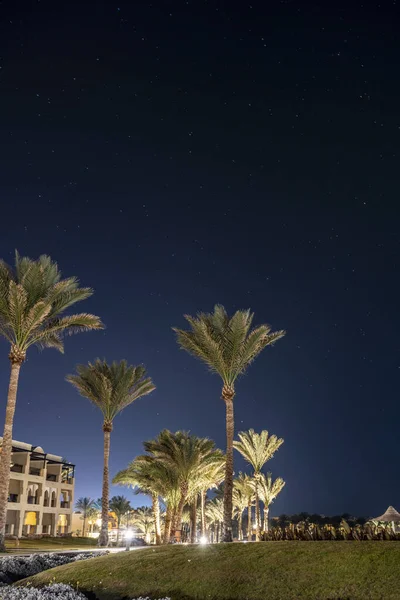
(50, 477)
(64, 504)
(34, 471)
(33, 500)
(13, 498)
(17, 469)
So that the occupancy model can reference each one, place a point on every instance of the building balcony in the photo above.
(33, 500)
(34, 471)
(64, 504)
(17, 469)
(13, 498)
(50, 477)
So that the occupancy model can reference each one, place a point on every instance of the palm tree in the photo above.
(210, 479)
(33, 299)
(215, 516)
(111, 387)
(268, 491)
(243, 494)
(84, 505)
(228, 346)
(189, 456)
(147, 475)
(143, 520)
(257, 449)
(120, 506)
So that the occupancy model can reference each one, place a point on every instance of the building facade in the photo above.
(41, 492)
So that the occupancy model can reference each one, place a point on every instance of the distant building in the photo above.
(41, 492)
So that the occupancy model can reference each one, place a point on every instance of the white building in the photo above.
(41, 492)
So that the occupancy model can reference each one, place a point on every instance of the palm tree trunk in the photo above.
(228, 395)
(266, 518)
(257, 510)
(193, 521)
(84, 525)
(6, 450)
(249, 522)
(156, 516)
(167, 524)
(177, 522)
(240, 531)
(202, 510)
(103, 537)
(217, 533)
(118, 527)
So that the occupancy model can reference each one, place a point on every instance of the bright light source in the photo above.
(128, 534)
(203, 540)
(98, 522)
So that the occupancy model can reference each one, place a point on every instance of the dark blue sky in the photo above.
(177, 154)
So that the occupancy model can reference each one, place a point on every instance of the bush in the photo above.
(56, 591)
(13, 568)
(308, 532)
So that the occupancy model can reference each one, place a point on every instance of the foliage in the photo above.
(268, 489)
(14, 568)
(305, 532)
(33, 296)
(120, 506)
(55, 591)
(257, 448)
(226, 344)
(142, 518)
(111, 387)
(279, 571)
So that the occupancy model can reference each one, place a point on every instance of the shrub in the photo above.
(305, 531)
(13, 568)
(56, 591)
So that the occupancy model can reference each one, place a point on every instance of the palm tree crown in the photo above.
(226, 344)
(111, 387)
(33, 296)
(257, 448)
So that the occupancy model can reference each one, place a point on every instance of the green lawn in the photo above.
(264, 571)
(50, 544)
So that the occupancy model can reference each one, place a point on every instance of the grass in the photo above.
(50, 544)
(264, 571)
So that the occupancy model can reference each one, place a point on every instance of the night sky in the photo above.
(173, 155)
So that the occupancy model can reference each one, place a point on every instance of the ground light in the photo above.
(203, 540)
(128, 538)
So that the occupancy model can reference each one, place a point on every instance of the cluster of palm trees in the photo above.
(33, 300)
(180, 469)
(91, 510)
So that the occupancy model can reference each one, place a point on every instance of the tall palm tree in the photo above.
(268, 491)
(84, 505)
(257, 449)
(228, 346)
(143, 520)
(33, 299)
(120, 506)
(188, 455)
(111, 387)
(243, 494)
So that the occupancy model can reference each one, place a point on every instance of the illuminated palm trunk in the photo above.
(228, 394)
(156, 516)
(203, 513)
(103, 537)
(193, 522)
(16, 359)
(266, 518)
(167, 524)
(249, 526)
(240, 532)
(257, 510)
